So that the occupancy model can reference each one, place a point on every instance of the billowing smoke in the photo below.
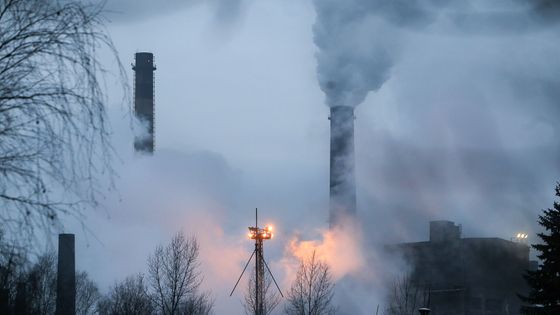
(359, 41)
(340, 241)
(355, 50)
(443, 140)
(226, 11)
(361, 270)
(362, 45)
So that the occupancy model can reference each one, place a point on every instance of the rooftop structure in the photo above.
(474, 276)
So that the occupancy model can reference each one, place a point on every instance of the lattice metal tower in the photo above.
(259, 235)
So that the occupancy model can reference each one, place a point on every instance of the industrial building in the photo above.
(467, 276)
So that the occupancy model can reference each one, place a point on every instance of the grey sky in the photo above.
(464, 128)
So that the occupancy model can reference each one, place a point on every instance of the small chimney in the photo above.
(342, 174)
(66, 276)
(144, 100)
(442, 231)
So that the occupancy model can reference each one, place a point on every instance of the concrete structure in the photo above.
(66, 276)
(342, 174)
(144, 100)
(467, 276)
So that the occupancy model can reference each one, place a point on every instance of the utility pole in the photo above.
(259, 235)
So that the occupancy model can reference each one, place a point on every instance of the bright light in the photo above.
(260, 234)
(522, 236)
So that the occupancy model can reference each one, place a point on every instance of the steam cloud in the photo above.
(352, 59)
(359, 41)
(338, 247)
(361, 44)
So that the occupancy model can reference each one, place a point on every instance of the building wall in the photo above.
(474, 276)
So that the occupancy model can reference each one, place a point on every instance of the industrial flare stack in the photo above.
(259, 235)
(144, 100)
(342, 165)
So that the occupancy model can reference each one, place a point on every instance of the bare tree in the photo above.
(41, 285)
(405, 297)
(127, 297)
(197, 304)
(174, 275)
(53, 126)
(12, 261)
(37, 288)
(271, 296)
(313, 289)
(87, 294)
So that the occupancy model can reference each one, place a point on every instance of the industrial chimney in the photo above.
(144, 99)
(66, 276)
(342, 177)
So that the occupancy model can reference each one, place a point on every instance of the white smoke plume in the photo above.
(407, 173)
(359, 41)
(356, 49)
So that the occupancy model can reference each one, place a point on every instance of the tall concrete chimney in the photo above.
(144, 99)
(66, 276)
(342, 174)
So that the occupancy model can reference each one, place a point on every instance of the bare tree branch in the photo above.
(41, 285)
(271, 296)
(405, 297)
(175, 278)
(313, 289)
(127, 297)
(87, 294)
(54, 135)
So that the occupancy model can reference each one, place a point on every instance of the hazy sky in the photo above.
(464, 127)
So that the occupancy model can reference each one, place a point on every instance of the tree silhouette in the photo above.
(87, 294)
(127, 297)
(53, 127)
(175, 278)
(544, 283)
(313, 289)
(405, 297)
(271, 296)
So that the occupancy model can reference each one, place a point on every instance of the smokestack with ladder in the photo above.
(342, 173)
(144, 100)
